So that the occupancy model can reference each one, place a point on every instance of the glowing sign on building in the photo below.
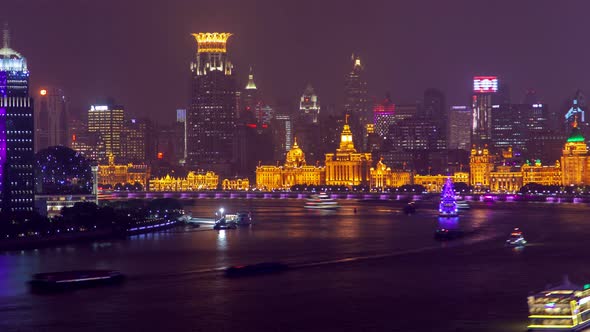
(485, 84)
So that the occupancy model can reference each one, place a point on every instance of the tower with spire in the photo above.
(16, 132)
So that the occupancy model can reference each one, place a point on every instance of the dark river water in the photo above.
(373, 270)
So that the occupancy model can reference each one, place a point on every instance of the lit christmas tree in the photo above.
(448, 204)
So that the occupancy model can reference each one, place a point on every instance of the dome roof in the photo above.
(295, 156)
(576, 135)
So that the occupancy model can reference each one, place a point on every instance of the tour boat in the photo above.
(321, 201)
(516, 239)
(448, 203)
(56, 281)
(562, 308)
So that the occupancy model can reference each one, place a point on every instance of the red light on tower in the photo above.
(43, 92)
(160, 155)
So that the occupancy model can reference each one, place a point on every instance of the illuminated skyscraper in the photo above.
(16, 132)
(577, 112)
(107, 121)
(309, 106)
(356, 101)
(133, 141)
(484, 87)
(51, 119)
(211, 116)
(384, 116)
(459, 128)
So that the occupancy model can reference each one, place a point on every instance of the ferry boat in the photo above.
(562, 308)
(321, 201)
(57, 281)
(240, 218)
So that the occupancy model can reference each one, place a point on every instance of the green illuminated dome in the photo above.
(576, 136)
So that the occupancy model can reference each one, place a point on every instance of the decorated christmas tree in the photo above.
(448, 204)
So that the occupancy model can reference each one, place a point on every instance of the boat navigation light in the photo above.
(221, 211)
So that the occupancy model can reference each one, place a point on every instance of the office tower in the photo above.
(50, 119)
(309, 106)
(133, 139)
(435, 109)
(484, 88)
(250, 97)
(88, 144)
(181, 124)
(508, 128)
(212, 112)
(384, 116)
(459, 128)
(282, 133)
(577, 112)
(17, 183)
(107, 121)
(356, 101)
(404, 111)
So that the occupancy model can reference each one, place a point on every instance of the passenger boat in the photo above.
(448, 204)
(463, 205)
(516, 239)
(321, 201)
(562, 308)
(56, 281)
(241, 218)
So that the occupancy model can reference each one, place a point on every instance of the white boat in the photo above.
(321, 202)
(516, 239)
(562, 308)
(463, 205)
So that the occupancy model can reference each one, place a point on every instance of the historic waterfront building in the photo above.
(192, 182)
(574, 159)
(113, 174)
(435, 183)
(295, 171)
(16, 132)
(505, 179)
(235, 184)
(383, 177)
(211, 116)
(480, 164)
(546, 175)
(347, 167)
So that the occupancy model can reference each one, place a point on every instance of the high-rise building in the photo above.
(309, 106)
(575, 159)
(577, 112)
(107, 121)
(181, 121)
(282, 132)
(17, 182)
(404, 111)
(250, 96)
(356, 101)
(51, 119)
(435, 109)
(88, 144)
(459, 128)
(484, 88)
(384, 116)
(133, 138)
(508, 128)
(211, 116)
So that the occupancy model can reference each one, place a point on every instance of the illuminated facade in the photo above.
(543, 175)
(113, 174)
(356, 100)
(309, 105)
(383, 116)
(481, 165)
(383, 177)
(295, 171)
(347, 167)
(212, 111)
(574, 160)
(16, 132)
(435, 183)
(192, 182)
(505, 179)
(133, 140)
(235, 184)
(484, 87)
(107, 121)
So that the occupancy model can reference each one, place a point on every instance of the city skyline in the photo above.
(401, 57)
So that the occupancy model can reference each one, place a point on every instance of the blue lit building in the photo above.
(16, 132)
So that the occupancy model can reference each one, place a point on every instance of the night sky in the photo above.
(138, 52)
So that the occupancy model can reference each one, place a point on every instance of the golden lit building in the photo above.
(347, 167)
(295, 171)
(435, 183)
(113, 174)
(481, 164)
(505, 179)
(383, 177)
(574, 159)
(235, 184)
(543, 175)
(192, 182)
